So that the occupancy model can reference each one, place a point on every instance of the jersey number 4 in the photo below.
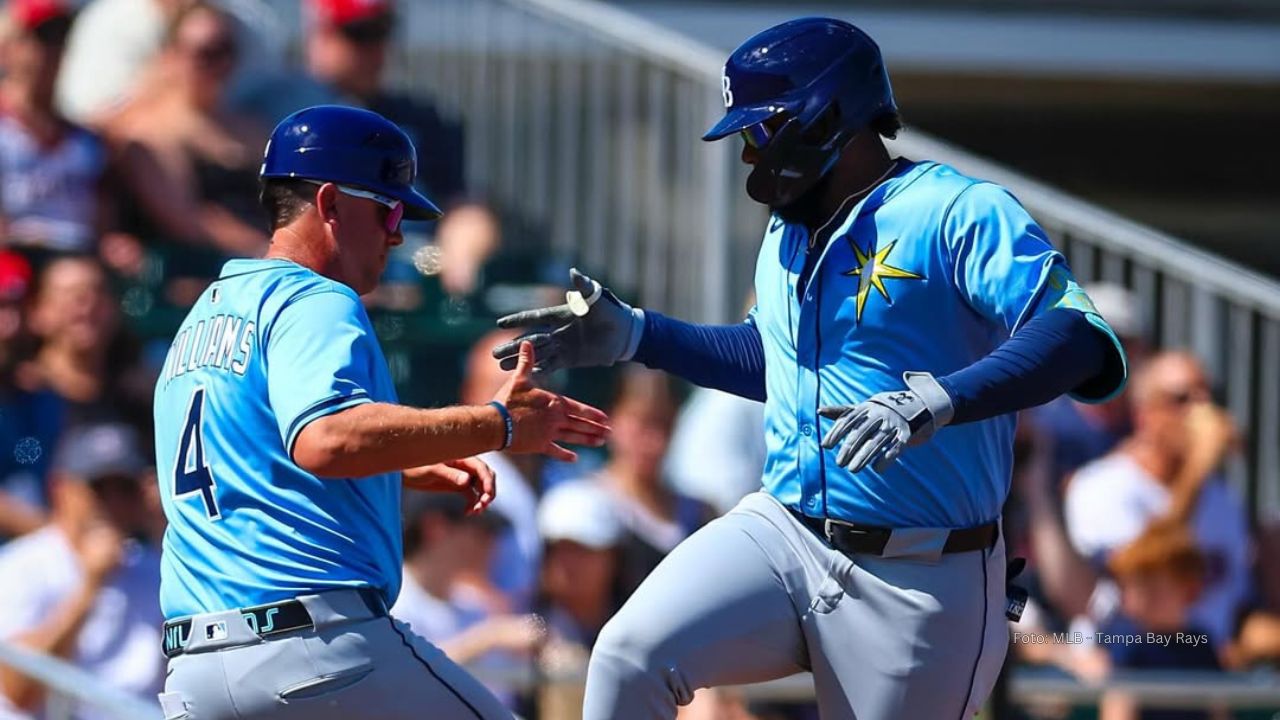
(191, 473)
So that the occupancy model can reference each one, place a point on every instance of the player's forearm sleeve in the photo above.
(1056, 352)
(722, 357)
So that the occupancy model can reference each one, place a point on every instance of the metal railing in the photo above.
(70, 687)
(586, 118)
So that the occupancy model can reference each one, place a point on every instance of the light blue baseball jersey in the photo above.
(269, 347)
(930, 272)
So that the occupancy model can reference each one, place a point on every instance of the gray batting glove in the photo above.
(876, 431)
(592, 329)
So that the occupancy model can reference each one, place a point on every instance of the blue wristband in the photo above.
(508, 424)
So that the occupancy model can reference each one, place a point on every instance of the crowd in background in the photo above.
(130, 135)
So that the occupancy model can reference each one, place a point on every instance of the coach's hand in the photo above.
(471, 478)
(542, 419)
(876, 431)
(592, 328)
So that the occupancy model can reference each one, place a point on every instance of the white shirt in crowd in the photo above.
(717, 450)
(1111, 500)
(119, 642)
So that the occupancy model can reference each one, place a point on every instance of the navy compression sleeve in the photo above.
(723, 357)
(1053, 353)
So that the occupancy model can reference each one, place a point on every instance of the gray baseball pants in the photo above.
(353, 664)
(754, 596)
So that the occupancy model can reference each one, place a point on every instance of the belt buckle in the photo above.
(853, 530)
(829, 525)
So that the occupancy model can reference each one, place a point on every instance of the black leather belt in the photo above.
(854, 539)
(265, 620)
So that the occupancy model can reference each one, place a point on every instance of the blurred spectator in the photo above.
(51, 172)
(442, 541)
(467, 236)
(109, 55)
(193, 163)
(1168, 468)
(1081, 432)
(513, 572)
(86, 587)
(347, 44)
(1258, 641)
(721, 431)
(581, 536)
(84, 356)
(29, 421)
(656, 517)
(1160, 575)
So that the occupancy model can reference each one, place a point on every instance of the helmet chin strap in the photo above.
(788, 167)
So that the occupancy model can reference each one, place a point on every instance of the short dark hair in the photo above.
(887, 124)
(285, 199)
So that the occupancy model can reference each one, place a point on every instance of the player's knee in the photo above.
(633, 661)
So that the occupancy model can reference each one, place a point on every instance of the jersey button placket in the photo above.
(808, 452)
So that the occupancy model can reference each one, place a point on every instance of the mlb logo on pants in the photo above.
(215, 631)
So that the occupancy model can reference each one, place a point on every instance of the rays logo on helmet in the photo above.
(725, 90)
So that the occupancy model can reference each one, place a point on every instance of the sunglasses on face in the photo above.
(756, 136)
(394, 208)
(53, 32)
(369, 32)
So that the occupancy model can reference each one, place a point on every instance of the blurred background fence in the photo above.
(587, 119)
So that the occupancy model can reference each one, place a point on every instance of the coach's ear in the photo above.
(326, 201)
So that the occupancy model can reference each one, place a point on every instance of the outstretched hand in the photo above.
(470, 477)
(592, 328)
(544, 421)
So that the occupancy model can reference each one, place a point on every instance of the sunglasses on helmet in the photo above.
(395, 208)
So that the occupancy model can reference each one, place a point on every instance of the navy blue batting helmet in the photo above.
(348, 146)
(805, 76)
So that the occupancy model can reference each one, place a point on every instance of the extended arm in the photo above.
(594, 328)
(371, 438)
(1058, 351)
(1053, 354)
(722, 357)
(376, 438)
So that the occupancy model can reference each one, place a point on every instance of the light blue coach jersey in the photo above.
(930, 273)
(269, 347)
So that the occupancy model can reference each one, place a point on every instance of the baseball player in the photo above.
(904, 313)
(281, 453)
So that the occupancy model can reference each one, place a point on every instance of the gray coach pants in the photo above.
(351, 665)
(755, 596)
